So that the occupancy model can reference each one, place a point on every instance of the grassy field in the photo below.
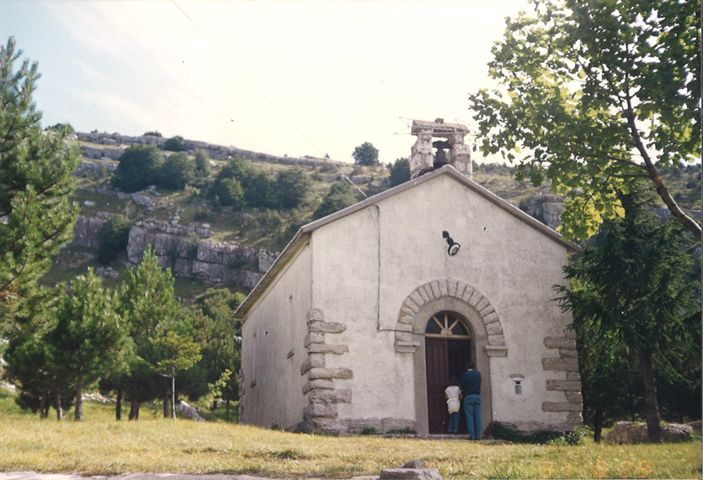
(99, 445)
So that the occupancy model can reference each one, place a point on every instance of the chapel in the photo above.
(368, 313)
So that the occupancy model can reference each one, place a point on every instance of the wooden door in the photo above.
(444, 358)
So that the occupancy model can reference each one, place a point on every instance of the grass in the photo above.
(100, 445)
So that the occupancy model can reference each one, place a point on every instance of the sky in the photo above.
(281, 77)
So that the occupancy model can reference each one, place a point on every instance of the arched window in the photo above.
(446, 324)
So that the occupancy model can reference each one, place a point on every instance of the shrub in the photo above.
(175, 144)
(340, 195)
(177, 171)
(113, 238)
(139, 167)
(292, 187)
(501, 431)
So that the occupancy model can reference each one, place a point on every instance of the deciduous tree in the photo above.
(139, 167)
(292, 187)
(593, 94)
(178, 170)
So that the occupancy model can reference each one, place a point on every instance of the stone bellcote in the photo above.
(424, 159)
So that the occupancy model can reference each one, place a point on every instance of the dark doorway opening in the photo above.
(447, 350)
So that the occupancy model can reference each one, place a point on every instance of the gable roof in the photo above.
(299, 240)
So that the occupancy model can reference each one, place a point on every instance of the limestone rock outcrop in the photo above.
(186, 249)
(181, 249)
(545, 207)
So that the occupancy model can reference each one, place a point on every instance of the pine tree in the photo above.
(89, 339)
(148, 303)
(36, 183)
(631, 291)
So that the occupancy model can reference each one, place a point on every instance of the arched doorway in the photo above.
(448, 347)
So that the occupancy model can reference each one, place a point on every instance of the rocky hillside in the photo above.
(206, 244)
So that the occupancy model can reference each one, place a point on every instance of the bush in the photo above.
(152, 133)
(500, 431)
(139, 167)
(260, 191)
(177, 171)
(113, 238)
(340, 195)
(293, 187)
(202, 165)
(175, 144)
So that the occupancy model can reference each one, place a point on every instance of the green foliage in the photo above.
(139, 167)
(400, 172)
(174, 353)
(152, 133)
(177, 171)
(365, 154)
(501, 431)
(239, 184)
(578, 82)
(202, 165)
(30, 364)
(340, 195)
(260, 190)
(292, 187)
(89, 340)
(631, 290)
(219, 336)
(62, 127)
(175, 144)
(36, 183)
(113, 237)
(230, 193)
(148, 304)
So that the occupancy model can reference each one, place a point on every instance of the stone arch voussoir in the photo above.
(439, 289)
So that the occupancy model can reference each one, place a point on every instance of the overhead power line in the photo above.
(229, 60)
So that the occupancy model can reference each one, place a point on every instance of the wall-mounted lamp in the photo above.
(454, 247)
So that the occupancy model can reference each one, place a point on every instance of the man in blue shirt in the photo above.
(470, 384)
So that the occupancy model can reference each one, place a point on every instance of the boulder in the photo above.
(636, 432)
(188, 411)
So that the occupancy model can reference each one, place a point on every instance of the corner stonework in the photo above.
(322, 396)
(567, 362)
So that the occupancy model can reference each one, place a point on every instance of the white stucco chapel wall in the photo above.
(358, 270)
(272, 349)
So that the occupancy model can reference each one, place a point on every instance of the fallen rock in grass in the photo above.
(188, 411)
(410, 474)
(413, 470)
(636, 432)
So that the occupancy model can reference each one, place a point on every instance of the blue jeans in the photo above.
(472, 409)
(454, 422)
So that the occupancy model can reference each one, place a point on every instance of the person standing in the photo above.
(453, 396)
(470, 384)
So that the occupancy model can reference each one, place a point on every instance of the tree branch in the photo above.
(688, 222)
